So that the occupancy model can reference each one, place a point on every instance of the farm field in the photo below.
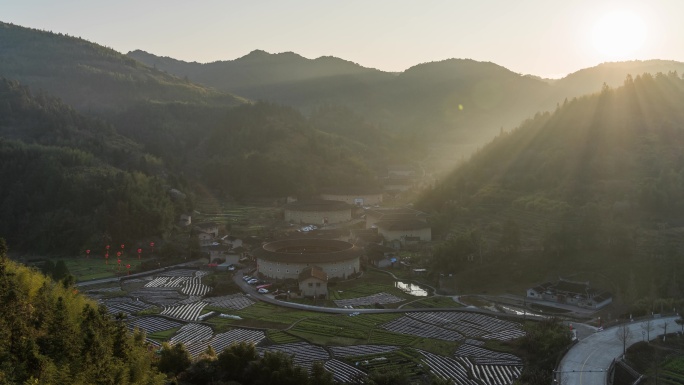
(172, 306)
(370, 283)
(94, 267)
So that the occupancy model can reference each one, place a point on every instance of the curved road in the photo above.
(588, 361)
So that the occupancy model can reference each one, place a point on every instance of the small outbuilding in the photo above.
(572, 293)
(313, 282)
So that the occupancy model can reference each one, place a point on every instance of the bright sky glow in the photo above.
(619, 35)
(548, 38)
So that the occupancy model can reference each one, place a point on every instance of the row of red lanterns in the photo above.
(118, 254)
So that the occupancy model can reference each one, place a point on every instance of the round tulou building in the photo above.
(287, 258)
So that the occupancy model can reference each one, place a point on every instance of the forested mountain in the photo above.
(270, 150)
(461, 100)
(90, 77)
(423, 98)
(42, 119)
(49, 334)
(588, 80)
(67, 179)
(247, 74)
(595, 186)
(190, 128)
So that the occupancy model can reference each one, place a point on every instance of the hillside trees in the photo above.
(57, 198)
(544, 342)
(239, 364)
(51, 335)
(459, 252)
(66, 178)
(269, 150)
(595, 186)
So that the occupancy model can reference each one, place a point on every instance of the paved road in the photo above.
(588, 361)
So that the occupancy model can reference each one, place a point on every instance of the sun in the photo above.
(618, 35)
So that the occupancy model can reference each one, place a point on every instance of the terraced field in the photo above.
(448, 344)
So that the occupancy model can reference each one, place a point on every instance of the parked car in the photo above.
(247, 278)
(263, 291)
(253, 281)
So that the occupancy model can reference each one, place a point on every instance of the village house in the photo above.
(206, 233)
(216, 252)
(572, 293)
(208, 228)
(313, 282)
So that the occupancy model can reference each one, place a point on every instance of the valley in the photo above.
(321, 222)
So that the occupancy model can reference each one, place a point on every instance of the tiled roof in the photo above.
(313, 272)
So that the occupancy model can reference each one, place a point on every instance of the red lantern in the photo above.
(118, 261)
(152, 246)
(122, 246)
(107, 247)
(106, 258)
(139, 251)
(128, 268)
(87, 253)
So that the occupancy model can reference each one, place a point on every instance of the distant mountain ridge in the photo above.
(254, 69)
(230, 75)
(467, 100)
(92, 77)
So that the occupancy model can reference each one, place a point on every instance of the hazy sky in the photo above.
(542, 37)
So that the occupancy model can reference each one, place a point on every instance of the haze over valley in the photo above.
(275, 214)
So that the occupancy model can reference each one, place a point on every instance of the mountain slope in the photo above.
(52, 335)
(67, 178)
(465, 100)
(589, 80)
(257, 69)
(443, 104)
(594, 187)
(91, 77)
